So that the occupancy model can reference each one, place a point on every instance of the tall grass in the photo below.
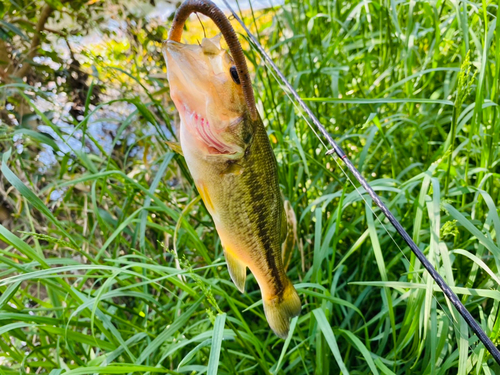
(125, 274)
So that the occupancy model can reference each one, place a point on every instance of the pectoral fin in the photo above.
(175, 147)
(202, 189)
(237, 270)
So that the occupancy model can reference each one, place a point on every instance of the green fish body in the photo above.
(235, 172)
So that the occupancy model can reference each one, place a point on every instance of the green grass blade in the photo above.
(29, 195)
(218, 335)
(168, 332)
(330, 338)
(123, 368)
(363, 350)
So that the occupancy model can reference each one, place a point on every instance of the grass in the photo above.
(125, 273)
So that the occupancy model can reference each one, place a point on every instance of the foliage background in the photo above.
(109, 262)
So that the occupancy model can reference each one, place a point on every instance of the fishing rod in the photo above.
(336, 149)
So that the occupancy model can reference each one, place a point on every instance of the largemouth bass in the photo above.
(235, 171)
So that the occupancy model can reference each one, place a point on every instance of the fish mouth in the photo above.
(184, 61)
(184, 71)
(192, 88)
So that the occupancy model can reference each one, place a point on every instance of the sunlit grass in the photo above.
(91, 283)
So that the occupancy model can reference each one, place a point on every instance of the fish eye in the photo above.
(234, 75)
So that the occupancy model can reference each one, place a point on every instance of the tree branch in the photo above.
(5, 62)
(22, 20)
(35, 43)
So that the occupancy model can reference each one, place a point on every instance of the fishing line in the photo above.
(417, 276)
(452, 319)
(202, 26)
(335, 148)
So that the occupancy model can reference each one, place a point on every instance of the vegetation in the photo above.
(110, 263)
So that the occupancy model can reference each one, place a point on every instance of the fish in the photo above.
(235, 171)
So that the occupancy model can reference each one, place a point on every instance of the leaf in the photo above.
(218, 335)
(29, 195)
(79, 337)
(193, 352)
(14, 29)
(8, 294)
(24, 248)
(147, 202)
(479, 262)
(168, 332)
(39, 137)
(490, 245)
(362, 348)
(12, 326)
(293, 323)
(330, 338)
(380, 101)
(123, 368)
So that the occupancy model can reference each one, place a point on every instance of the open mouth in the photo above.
(201, 126)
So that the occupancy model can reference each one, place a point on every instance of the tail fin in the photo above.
(280, 309)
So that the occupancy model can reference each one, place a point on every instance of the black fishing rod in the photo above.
(395, 223)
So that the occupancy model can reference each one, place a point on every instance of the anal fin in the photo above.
(237, 270)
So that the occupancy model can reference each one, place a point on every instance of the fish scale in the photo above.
(235, 171)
